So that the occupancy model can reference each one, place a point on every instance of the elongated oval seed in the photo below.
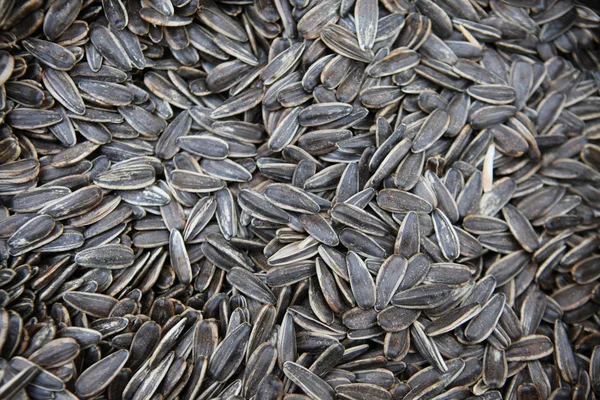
(180, 260)
(432, 129)
(425, 296)
(480, 327)
(361, 281)
(310, 383)
(230, 353)
(112, 256)
(99, 375)
(97, 305)
(249, 284)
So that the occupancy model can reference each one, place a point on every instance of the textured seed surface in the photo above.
(299, 199)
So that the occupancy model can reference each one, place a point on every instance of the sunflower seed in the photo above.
(98, 376)
(106, 256)
(310, 383)
(480, 327)
(361, 281)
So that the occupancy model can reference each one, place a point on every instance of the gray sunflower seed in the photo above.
(98, 376)
(361, 281)
(452, 319)
(426, 347)
(432, 129)
(366, 17)
(282, 63)
(520, 228)
(388, 280)
(167, 145)
(142, 121)
(359, 219)
(179, 257)
(495, 368)
(286, 131)
(319, 228)
(344, 42)
(109, 46)
(323, 113)
(131, 178)
(480, 327)
(291, 198)
(493, 94)
(194, 182)
(31, 232)
(310, 383)
(565, 357)
(238, 104)
(226, 170)
(425, 296)
(229, 353)
(529, 347)
(251, 285)
(396, 319)
(51, 54)
(15, 384)
(446, 235)
(395, 200)
(55, 353)
(397, 61)
(112, 256)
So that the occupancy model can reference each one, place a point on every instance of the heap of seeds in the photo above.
(293, 199)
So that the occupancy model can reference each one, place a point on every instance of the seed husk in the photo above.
(98, 376)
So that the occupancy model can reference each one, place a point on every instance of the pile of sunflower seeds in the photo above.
(294, 199)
